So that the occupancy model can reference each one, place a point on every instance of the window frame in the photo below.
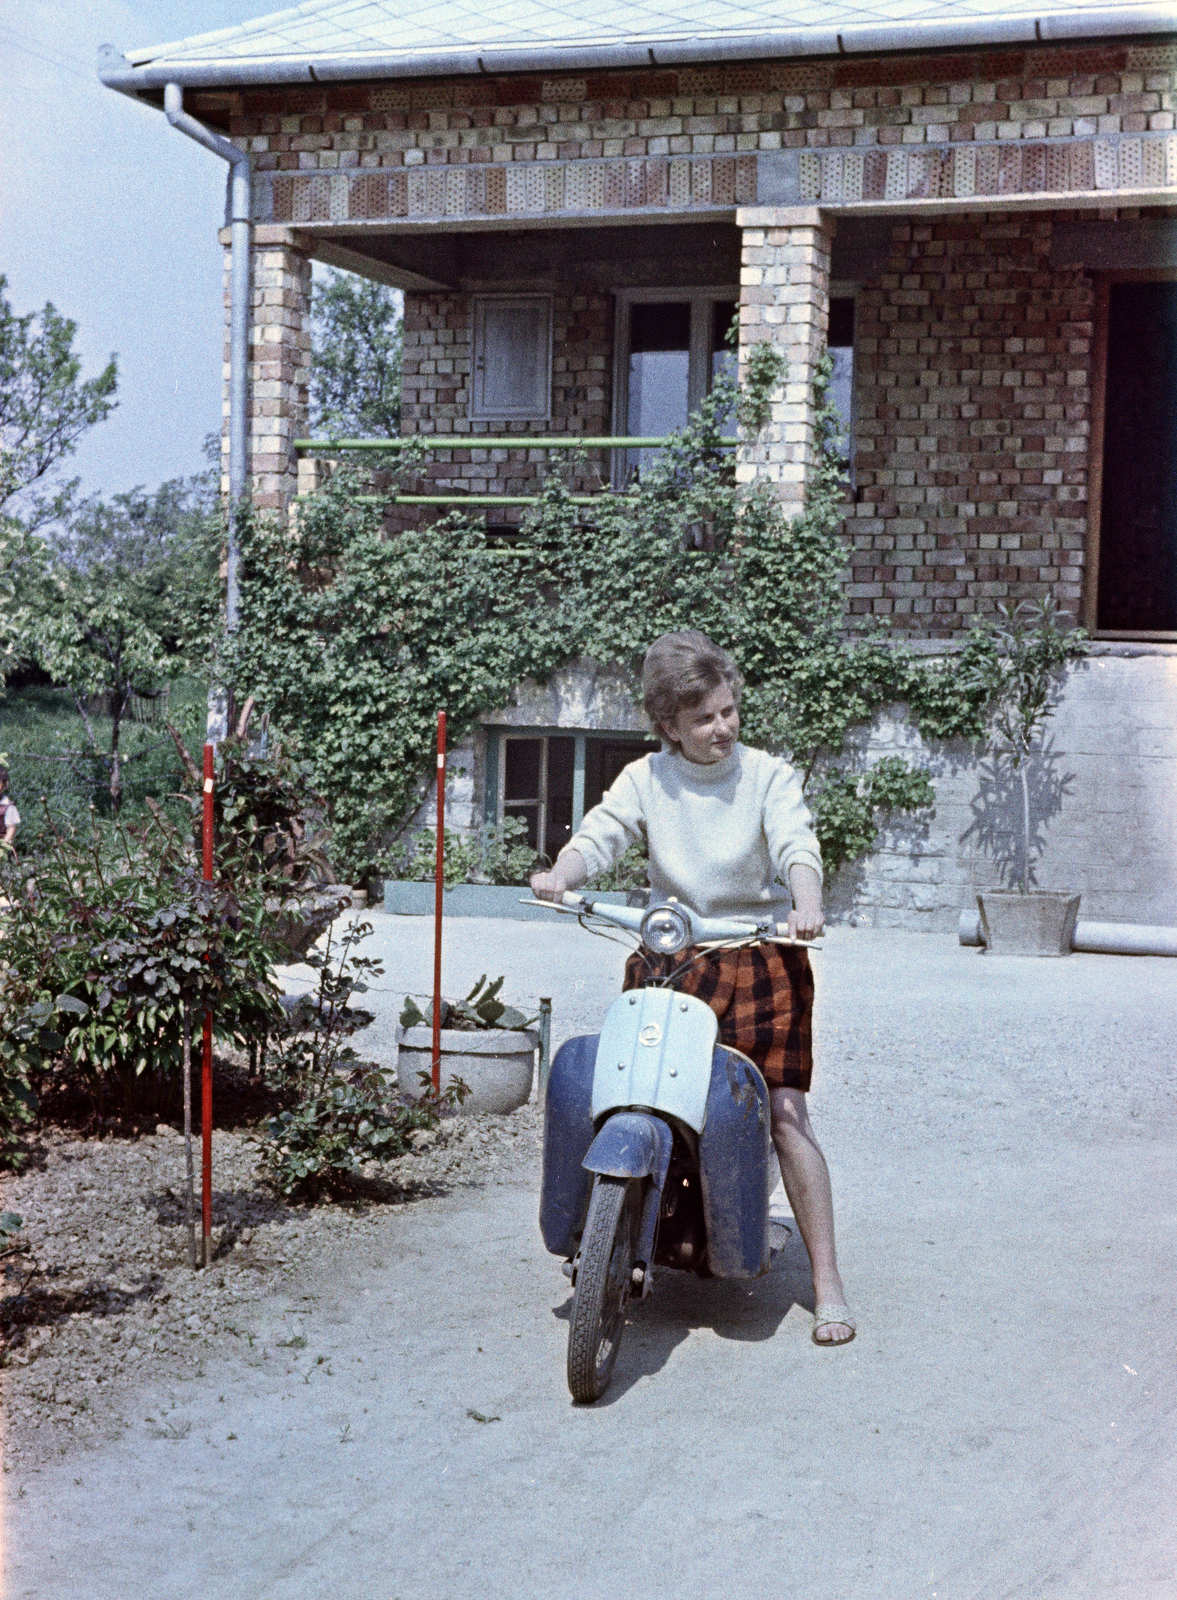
(843, 289)
(1095, 459)
(479, 412)
(495, 783)
(699, 359)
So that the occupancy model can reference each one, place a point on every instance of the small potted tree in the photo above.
(1024, 675)
(486, 1044)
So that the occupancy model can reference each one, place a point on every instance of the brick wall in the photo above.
(691, 138)
(730, 110)
(973, 395)
(436, 395)
(972, 415)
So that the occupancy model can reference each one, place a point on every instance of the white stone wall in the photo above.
(463, 791)
(1109, 782)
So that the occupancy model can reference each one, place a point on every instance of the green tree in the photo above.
(22, 588)
(128, 600)
(356, 344)
(45, 408)
(159, 550)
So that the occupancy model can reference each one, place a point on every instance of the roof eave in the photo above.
(1114, 22)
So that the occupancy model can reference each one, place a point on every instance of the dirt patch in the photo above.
(97, 1294)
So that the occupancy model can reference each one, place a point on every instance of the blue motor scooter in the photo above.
(657, 1148)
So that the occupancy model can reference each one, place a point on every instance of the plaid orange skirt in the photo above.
(762, 995)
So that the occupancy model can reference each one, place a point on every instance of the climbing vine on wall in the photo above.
(354, 639)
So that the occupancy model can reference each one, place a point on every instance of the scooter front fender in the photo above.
(632, 1144)
(735, 1151)
(635, 1144)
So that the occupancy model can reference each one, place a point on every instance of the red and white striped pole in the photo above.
(206, 1085)
(439, 886)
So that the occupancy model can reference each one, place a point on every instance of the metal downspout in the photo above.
(240, 179)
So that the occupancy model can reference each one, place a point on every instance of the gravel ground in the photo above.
(98, 1296)
(392, 1417)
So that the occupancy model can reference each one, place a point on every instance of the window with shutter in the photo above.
(512, 359)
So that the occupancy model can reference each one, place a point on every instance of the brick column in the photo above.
(279, 362)
(784, 302)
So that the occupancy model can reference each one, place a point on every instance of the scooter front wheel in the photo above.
(602, 1285)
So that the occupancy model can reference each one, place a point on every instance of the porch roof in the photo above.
(364, 39)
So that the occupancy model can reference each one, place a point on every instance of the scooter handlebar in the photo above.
(703, 930)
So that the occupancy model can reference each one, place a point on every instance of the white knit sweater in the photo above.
(721, 837)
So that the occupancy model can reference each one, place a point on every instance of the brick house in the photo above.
(976, 209)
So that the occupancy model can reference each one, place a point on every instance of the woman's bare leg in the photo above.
(807, 1184)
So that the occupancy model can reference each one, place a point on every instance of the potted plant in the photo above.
(1023, 675)
(486, 1044)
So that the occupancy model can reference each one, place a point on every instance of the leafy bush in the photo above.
(268, 818)
(344, 1110)
(121, 943)
(354, 641)
(847, 803)
(119, 940)
(632, 871)
(496, 855)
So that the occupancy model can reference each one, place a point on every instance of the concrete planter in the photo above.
(497, 1065)
(404, 898)
(1037, 924)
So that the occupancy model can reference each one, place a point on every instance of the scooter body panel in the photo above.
(734, 1155)
(568, 1133)
(735, 1149)
(655, 1050)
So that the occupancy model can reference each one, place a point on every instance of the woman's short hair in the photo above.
(680, 670)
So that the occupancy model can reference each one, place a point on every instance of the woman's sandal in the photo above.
(824, 1316)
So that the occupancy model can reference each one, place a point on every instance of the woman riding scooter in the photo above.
(722, 824)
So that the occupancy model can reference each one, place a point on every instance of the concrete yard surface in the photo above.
(396, 1424)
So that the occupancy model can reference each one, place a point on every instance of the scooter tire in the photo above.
(603, 1282)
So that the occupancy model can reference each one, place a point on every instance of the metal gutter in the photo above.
(215, 72)
(240, 185)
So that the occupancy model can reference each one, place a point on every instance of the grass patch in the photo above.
(52, 755)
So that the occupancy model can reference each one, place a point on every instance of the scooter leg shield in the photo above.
(568, 1133)
(734, 1149)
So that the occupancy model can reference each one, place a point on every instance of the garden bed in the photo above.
(99, 1298)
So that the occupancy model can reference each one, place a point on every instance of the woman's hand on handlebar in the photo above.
(569, 872)
(807, 919)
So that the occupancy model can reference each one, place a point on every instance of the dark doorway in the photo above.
(1138, 521)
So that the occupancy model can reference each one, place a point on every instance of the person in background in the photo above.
(9, 815)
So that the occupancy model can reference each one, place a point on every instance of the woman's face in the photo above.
(707, 732)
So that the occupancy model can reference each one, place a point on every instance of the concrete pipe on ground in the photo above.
(1097, 938)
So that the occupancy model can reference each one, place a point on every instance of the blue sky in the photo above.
(113, 216)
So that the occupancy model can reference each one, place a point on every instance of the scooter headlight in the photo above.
(665, 930)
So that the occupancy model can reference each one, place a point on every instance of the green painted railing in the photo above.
(330, 448)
